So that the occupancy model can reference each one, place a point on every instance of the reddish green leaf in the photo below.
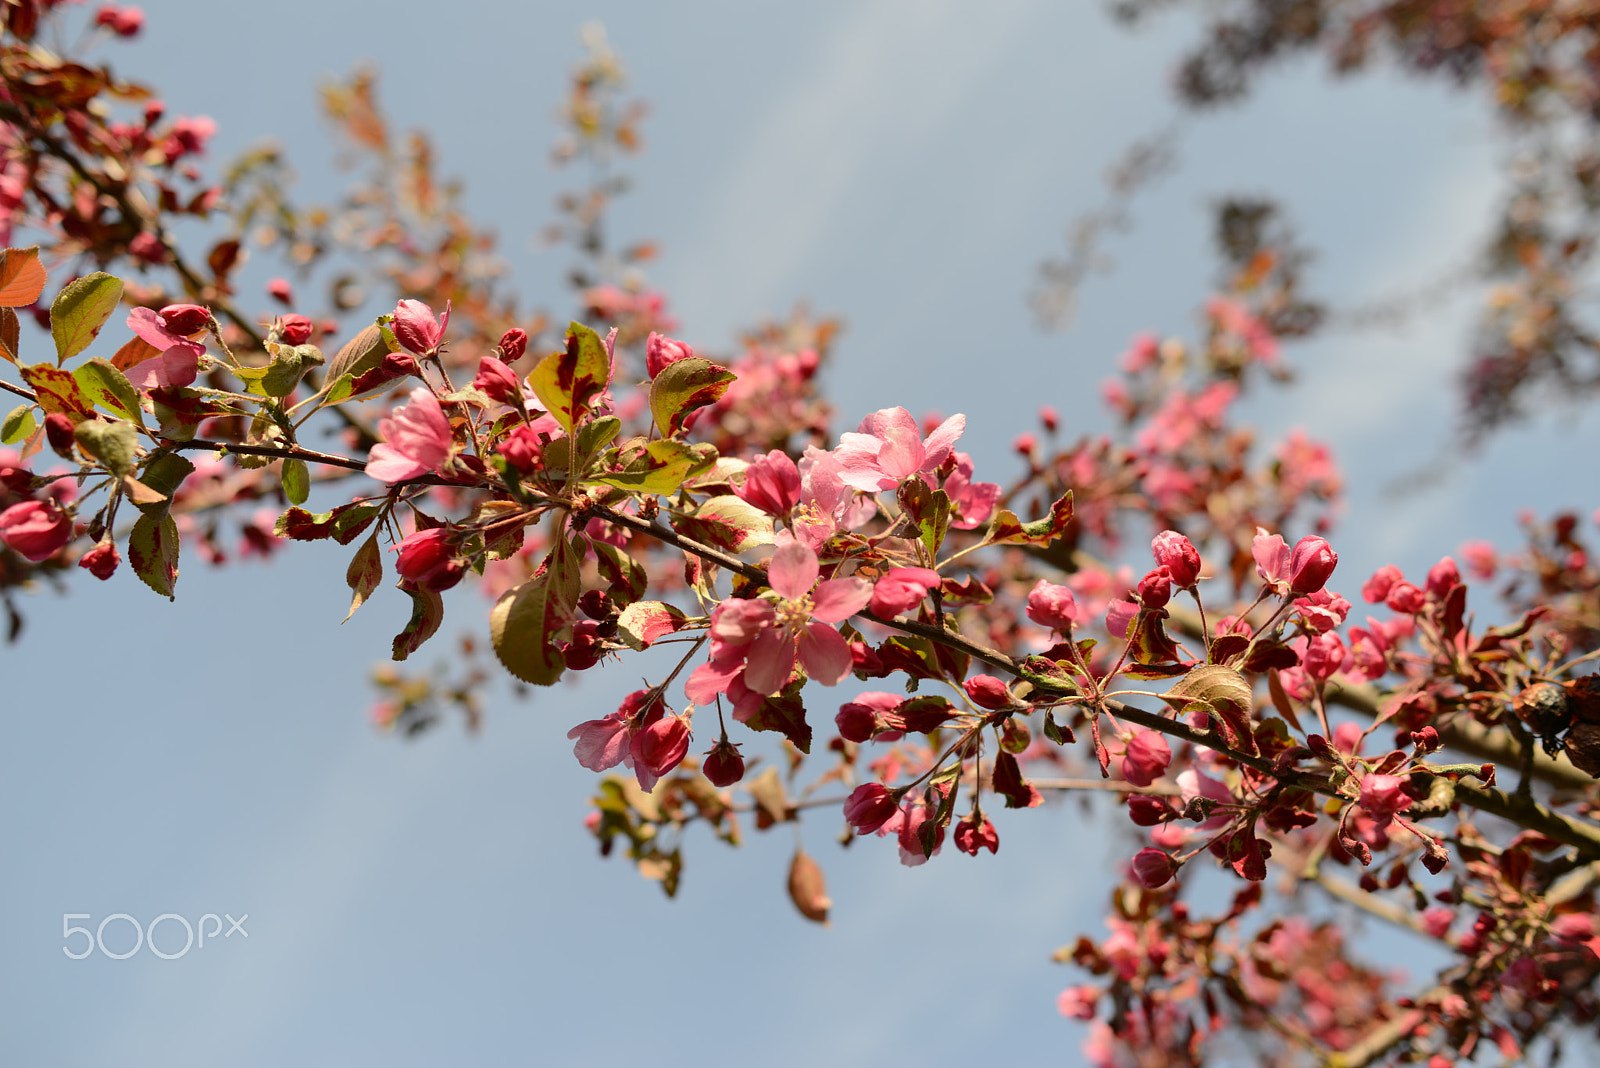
(108, 387)
(785, 713)
(1006, 529)
(153, 552)
(427, 612)
(642, 622)
(682, 387)
(58, 391)
(726, 523)
(363, 574)
(10, 334)
(565, 382)
(80, 310)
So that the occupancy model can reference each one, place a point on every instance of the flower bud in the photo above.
(1053, 606)
(186, 319)
(1311, 564)
(1146, 758)
(101, 561)
(723, 765)
(427, 559)
(279, 290)
(1153, 868)
(1382, 796)
(1155, 589)
(660, 350)
(521, 448)
(58, 432)
(513, 343)
(1147, 811)
(771, 483)
(1406, 599)
(661, 746)
(497, 381)
(295, 329)
(35, 529)
(1426, 740)
(1323, 657)
(1178, 555)
(988, 692)
(1376, 588)
(869, 807)
(1442, 576)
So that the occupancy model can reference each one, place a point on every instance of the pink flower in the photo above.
(861, 719)
(660, 350)
(1053, 606)
(1481, 558)
(602, 743)
(1272, 557)
(1146, 758)
(1077, 1002)
(826, 503)
(1178, 555)
(416, 328)
(1311, 564)
(659, 746)
(418, 440)
(101, 561)
(122, 21)
(185, 319)
(973, 501)
(869, 807)
(771, 483)
(295, 329)
(988, 692)
(35, 530)
(888, 448)
(1376, 588)
(1322, 610)
(913, 816)
(280, 290)
(1120, 616)
(1442, 576)
(825, 655)
(427, 559)
(1436, 921)
(902, 589)
(1405, 598)
(1382, 797)
(1324, 655)
(179, 361)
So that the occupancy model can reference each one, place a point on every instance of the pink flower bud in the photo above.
(148, 248)
(1147, 811)
(1323, 657)
(122, 21)
(1153, 868)
(294, 329)
(1406, 599)
(101, 561)
(1311, 564)
(185, 319)
(1376, 588)
(1024, 444)
(1052, 606)
(1155, 589)
(427, 559)
(1442, 576)
(660, 350)
(521, 448)
(1436, 921)
(280, 290)
(416, 328)
(1273, 557)
(659, 747)
(1481, 558)
(58, 432)
(988, 692)
(1178, 555)
(971, 836)
(35, 530)
(513, 343)
(869, 807)
(1426, 740)
(1077, 1003)
(1146, 758)
(771, 483)
(723, 765)
(497, 381)
(1050, 418)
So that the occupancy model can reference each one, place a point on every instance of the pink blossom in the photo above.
(1322, 610)
(179, 362)
(122, 21)
(1442, 576)
(658, 746)
(988, 692)
(427, 559)
(1324, 655)
(1053, 606)
(497, 381)
(1481, 557)
(771, 483)
(863, 718)
(869, 807)
(972, 834)
(280, 290)
(1376, 588)
(826, 503)
(1077, 1002)
(35, 530)
(973, 502)
(913, 816)
(1193, 783)
(416, 328)
(1178, 555)
(602, 743)
(1120, 616)
(1382, 797)
(825, 655)
(1405, 598)
(1436, 921)
(1311, 563)
(417, 440)
(902, 589)
(101, 561)
(1272, 556)
(1145, 758)
(888, 448)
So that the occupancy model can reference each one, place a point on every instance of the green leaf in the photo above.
(278, 379)
(339, 389)
(18, 425)
(682, 387)
(929, 509)
(58, 391)
(427, 612)
(565, 382)
(153, 552)
(296, 479)
(527, 622)
(625, 577)
(726, 523)
(164, 473)
(660, 467)
(108, 387)
(114, 444)
(363, 574)
(598, 434)
(80, 310)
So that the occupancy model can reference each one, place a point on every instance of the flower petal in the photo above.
(793, 570)
(770, 662)
(825, 654)
(838, 599)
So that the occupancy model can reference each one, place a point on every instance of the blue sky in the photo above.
(905, 165)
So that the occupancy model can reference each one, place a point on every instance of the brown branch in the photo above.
(22, 391)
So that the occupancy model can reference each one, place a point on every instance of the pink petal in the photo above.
(825, 654)
(793, 570)
(709, 680)
(387, 464)
(838, 599)
(938, 445)
(770, 662)
(174, 368)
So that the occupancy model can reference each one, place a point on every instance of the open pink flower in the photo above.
(179, 361)
(36, 529)
(771, 483)
(889, 448)
(902, 589)
(793, 635)
(417, 441)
